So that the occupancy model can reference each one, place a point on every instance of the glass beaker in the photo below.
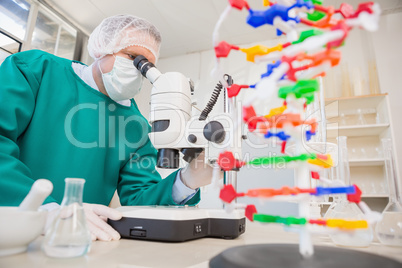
(343, 209)
(68, 235)
(389, 228)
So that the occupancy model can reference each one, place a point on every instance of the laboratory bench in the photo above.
(127, 253)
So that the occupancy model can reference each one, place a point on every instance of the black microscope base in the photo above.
(178, 224)
(178, 231)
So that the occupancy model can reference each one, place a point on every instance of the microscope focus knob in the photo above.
(214, 132)
(192, 138)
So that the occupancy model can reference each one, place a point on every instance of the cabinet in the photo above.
(365, 121)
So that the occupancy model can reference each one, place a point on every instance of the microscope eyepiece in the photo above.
(142, 64)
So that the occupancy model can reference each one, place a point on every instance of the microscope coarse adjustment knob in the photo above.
(214, 132)
(192, 138)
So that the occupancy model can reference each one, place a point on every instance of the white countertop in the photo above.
(128, 253)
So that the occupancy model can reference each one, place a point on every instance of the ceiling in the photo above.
(186, 25)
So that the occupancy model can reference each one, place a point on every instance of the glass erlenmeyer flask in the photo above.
(389, 229)
(68, 235)
(343, 209)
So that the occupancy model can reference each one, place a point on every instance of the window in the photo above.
(13, 24)
(66, 45)
(53, 35)
(27, 24)
(14, 17)
(8, 46)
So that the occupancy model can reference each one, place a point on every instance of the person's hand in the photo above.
(197, 173)
(97, 216)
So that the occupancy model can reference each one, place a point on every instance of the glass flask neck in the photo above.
(390, 171)
(73, 191)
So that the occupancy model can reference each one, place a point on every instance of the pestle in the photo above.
(38, 193)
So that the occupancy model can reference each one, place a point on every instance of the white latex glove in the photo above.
(52, 211)
(97, 216)
(197, 173)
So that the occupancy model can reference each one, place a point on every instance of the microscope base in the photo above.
(178, 224)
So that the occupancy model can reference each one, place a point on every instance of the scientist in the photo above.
(60, 118)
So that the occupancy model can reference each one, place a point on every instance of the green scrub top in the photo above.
(53, 126)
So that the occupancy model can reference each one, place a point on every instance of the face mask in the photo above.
(124, 81)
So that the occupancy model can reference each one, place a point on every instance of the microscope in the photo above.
(175, 131)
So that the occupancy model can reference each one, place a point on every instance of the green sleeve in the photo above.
(141, 184)
(18, 90)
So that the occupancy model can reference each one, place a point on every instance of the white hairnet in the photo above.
(118, 32)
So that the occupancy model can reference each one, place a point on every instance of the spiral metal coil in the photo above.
(214, 98)
(212, 102)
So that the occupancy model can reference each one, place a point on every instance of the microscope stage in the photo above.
(178, 224)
